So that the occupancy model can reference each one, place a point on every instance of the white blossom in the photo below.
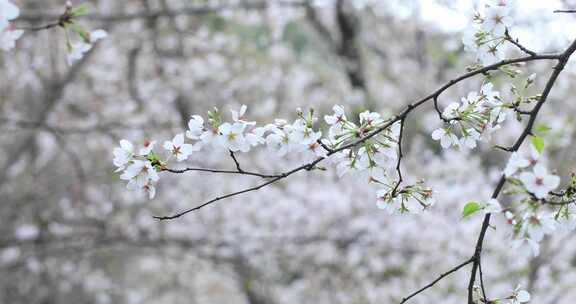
(447, 139)
(97, 35)
(139, 174)
(536, 225)
(539, 182)
(123, 154)
(339, 116)
(497, 19)
(519, 296)
(278, 142)
(519, 160)
(77, 51)
(232, 137)
(195, 127)
(238, 116)
(147, 148)
(179, 149)
(492, 206)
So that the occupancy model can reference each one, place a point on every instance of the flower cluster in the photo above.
(526, 167)
(526, 171)
(488, 37)
(77, 49)
(373, 158)
(473, 119)
(8, 36)
(140, 168)
(412, 198)
(240, 135)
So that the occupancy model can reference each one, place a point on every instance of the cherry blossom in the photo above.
(536, 225)
(519, 296)
(526, 247)
(238, 116)
(140, 174)
(539, 182)
(148, 147)
(232, 137)
(278, 142)
(123, 155)
(179, 149)
(486, 40)
(446, 138)
(492, 206)
(79, 49)
(338, 117)
(195, 127)
(497, 19)
(519, 160)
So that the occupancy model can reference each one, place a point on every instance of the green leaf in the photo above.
(538, 143)
(80, 10)
(470, 208)
(542, 128)
(80, 31)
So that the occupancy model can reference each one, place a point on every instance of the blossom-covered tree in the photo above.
(494, 151)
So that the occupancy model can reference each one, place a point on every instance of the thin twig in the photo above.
(482, 280)
(180, 171)
(566, 11)
(400, 155)
(517, 44)
(442, 276)
(200, 9)
(236, 162)
(323, 145)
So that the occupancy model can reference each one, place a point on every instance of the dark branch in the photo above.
(180, 171)
(566, 11)
(236, 162)
(150, 15)
(442, 276)
(518, 45)
(400, 155)
(562, 60)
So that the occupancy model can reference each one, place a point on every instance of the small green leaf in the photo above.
(470, 208)
(538, 143)
(542, 128)
(80, 10)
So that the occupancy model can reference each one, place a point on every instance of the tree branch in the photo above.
(442, 276)
(562, 60)
(403, 114)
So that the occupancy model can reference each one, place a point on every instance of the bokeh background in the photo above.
(71, 233)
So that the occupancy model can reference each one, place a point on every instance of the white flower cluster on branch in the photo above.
(488, 37)
(475, 118)
(374, 159)
(370, 147)
(76, 48)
